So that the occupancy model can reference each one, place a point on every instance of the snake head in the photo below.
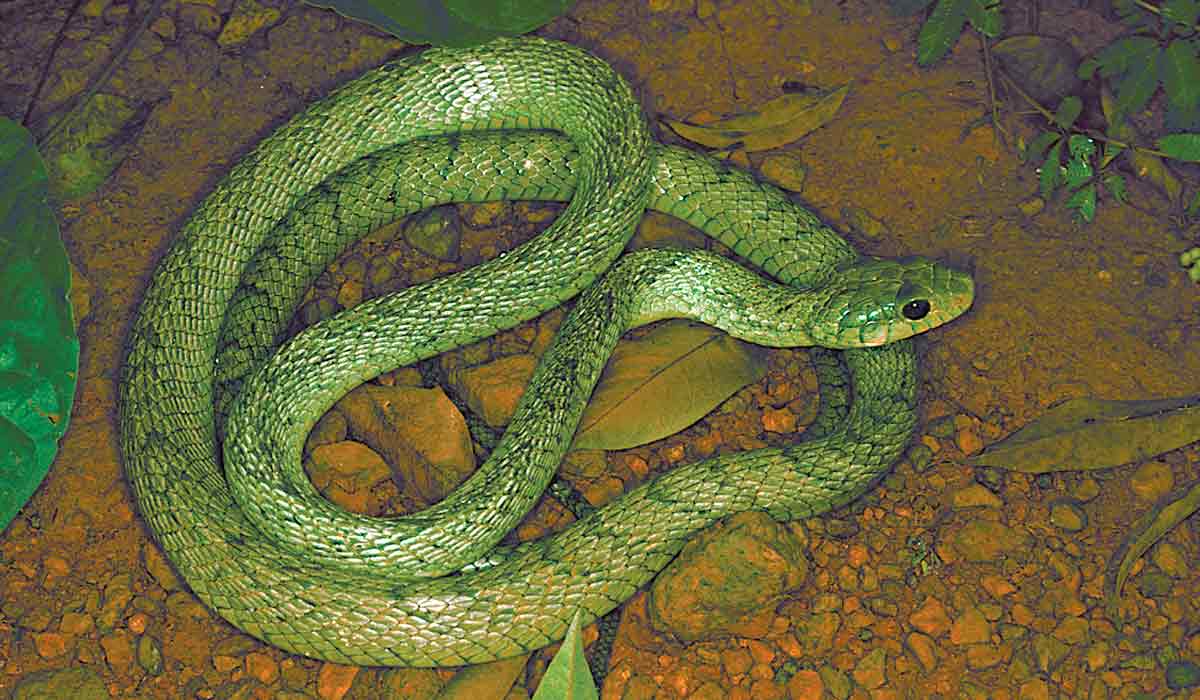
(877, 301)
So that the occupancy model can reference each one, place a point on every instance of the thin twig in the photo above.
(54, 46)
(1090, 133)
(997, 127)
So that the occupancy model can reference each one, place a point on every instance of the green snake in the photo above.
(431, 589)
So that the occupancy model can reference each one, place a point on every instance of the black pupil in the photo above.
(915, 310)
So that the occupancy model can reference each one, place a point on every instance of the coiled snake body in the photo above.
(429, 589)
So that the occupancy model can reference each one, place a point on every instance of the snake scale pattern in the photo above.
(431, 589)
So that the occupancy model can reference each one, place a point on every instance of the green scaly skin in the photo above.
(357, 600)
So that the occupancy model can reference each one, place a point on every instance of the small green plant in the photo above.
(945, 23)
(1160, 52)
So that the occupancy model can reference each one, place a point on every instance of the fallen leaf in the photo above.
(1086, 434)
(775, 123)
(1171, 511)
(665, 381)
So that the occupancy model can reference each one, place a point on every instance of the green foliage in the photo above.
(941, 30)
(39, 353)
(568, 676)
(450, 22)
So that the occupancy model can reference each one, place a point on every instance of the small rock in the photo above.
(726, 578)
(482, 215)
(261, 667)
(930, 618)
(1066, 514)
(1171, 560)
(986, 540)
(806, 684)
(118, 650)
(1048, 652)
(50, 644)
(924, 648)
(973, 496)
(870, 672)
(779, 420)
(492, 390)
(784, 169)
(334, 680)
(75, 683)
(1152, 481)
(971, 627)
(1153, 584)
(1182, 674)
(436, 233)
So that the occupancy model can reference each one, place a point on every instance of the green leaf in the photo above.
(1193, 207)
(1068, 111)
(985, 16)
(39, 352)
(1137, 85)
(1184, 12)
(1088, 434)
(1087, 69)
(663, 382)
(568, 677)
(1110, 153)
(1121, 55)
(1167, 513)
(1181, 146)
(450, 22)
(1051, 175)
(1083, 203)
(1115, 185)
(1180, 73)
(1037, 149)
(940, 32)
(1082, 148)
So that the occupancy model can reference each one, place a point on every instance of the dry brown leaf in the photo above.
(1086, 434)
(775, 123)
(665, 381)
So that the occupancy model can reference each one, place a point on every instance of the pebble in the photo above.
(1168, 557)
(970, 627)
(930, 618)
(1151, 481)
(975, 495)
(334, 680)
(1066, 514)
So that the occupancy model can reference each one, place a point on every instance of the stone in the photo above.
(75, 683)
(727, 578)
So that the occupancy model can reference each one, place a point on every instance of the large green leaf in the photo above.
(39, 353)
(1119, 56)
(663, 382)
(1137, 85)
(1181, 146)
(450, 22)
(940, 32)
(1180, 73)
(985, 16)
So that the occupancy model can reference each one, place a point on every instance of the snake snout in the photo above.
(881, 301)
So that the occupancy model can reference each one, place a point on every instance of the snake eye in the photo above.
(916, 309)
